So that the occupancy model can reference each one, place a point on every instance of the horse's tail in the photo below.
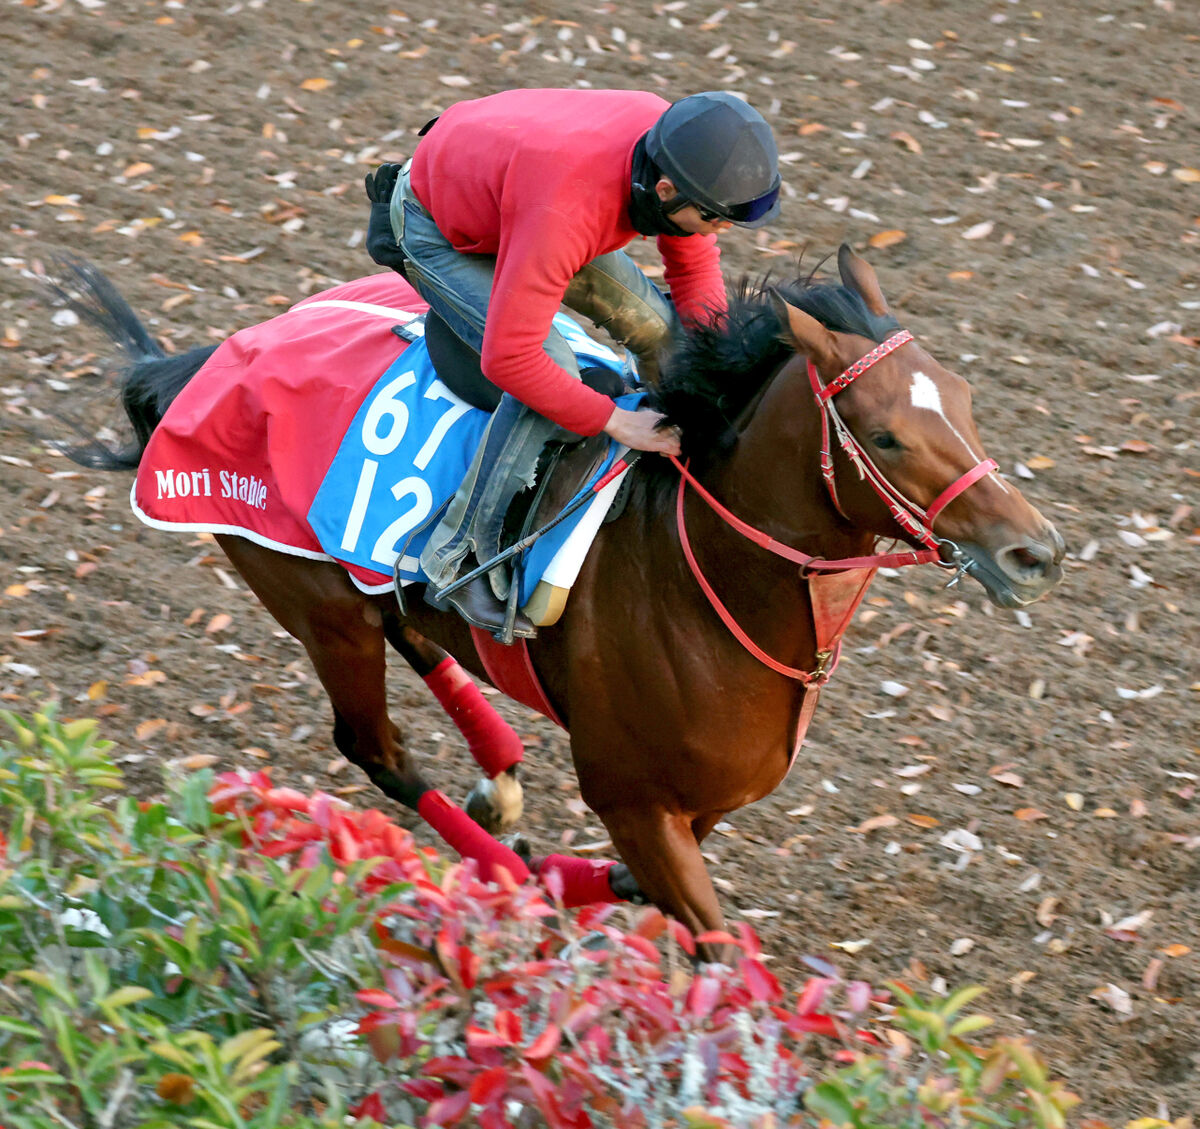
(148, 380)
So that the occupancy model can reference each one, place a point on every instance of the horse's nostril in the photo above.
(1025, 560)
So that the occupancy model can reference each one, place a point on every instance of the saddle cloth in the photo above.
(325, 433)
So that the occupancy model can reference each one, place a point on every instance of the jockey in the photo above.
(517, 203)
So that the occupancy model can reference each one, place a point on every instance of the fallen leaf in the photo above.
(875, 823)
(979, 230)
(1039, 462)
(1045, 912)
(1012, 779)
(1074, 801)
(922, 820)
(850, 946)
(1030, 814)
(1116, 998)
(218, 623)
(1175, 950)
(907, 140)
(138, 168)
(198, 761)
(1187, 175)
(315, 84)
(147, 729)
(887, 238)
(1150, 977)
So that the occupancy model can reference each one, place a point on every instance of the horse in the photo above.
(707, 618)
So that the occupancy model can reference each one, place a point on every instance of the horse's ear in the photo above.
(804, 333)
(859, 276)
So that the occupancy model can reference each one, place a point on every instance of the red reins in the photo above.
(916, 521)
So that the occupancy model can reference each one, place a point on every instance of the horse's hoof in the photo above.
(625, 887)
(520, 846)
(593, 942)
(497, 804)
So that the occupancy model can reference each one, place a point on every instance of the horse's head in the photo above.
(906, 458)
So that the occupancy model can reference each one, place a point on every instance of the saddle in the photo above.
(555, 469)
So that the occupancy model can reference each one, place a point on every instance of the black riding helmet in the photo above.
(721, 156)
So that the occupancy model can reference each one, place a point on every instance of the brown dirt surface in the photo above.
(209, 157)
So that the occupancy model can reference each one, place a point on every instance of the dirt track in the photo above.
(209, 157)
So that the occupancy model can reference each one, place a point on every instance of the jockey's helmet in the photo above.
(720, 154)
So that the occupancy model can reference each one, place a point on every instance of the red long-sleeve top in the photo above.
(541, 180)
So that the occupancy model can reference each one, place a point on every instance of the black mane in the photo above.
(718, 368)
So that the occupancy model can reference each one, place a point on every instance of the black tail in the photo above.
(148, 379)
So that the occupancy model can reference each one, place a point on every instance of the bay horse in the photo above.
(707, 617)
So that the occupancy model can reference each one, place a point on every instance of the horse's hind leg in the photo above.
(496, 802)
(342, 631)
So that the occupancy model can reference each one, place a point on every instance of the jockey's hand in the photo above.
(381, 183)
(381, 242)
(639, 431)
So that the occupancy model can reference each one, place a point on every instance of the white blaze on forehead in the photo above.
(925, 394)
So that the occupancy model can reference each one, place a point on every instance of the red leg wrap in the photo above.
(585, 882)
(492, 741)
(470, 840)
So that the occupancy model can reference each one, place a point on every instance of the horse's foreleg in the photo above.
(350, 664)
(496, 802)
(661, 851)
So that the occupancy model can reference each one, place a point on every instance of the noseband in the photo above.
(913, 519)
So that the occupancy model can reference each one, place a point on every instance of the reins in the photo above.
(913, 519)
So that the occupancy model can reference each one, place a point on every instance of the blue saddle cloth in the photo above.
(402, 459)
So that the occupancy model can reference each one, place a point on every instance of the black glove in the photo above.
(381, 243)
(382, 183)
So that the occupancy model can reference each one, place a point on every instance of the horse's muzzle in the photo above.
(1019, 573)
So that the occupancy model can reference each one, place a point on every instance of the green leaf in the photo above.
(43, 980)
(123, 997)
(959, 1000)
(829, 1099)
(971, 1023)
(172, 1053)
(26, 1075)
(19, 1027)
(244, 1042)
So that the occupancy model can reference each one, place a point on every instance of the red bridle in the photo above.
(912, 518)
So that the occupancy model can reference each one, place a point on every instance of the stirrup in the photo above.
(476, 603)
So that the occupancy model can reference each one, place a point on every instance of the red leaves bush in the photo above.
(495, 996)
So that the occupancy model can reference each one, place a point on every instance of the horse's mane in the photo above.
(717, 368)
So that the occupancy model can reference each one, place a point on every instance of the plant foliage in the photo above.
(245, 956)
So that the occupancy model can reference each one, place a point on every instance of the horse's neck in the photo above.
(772, 477)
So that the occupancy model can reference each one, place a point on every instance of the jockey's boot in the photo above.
(641, 321)
(505, 462)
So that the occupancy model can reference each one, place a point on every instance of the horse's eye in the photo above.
(885, 441)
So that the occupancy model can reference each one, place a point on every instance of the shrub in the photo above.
(244, 956)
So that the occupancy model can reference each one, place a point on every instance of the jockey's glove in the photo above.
(381, 242)
(382, 183)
